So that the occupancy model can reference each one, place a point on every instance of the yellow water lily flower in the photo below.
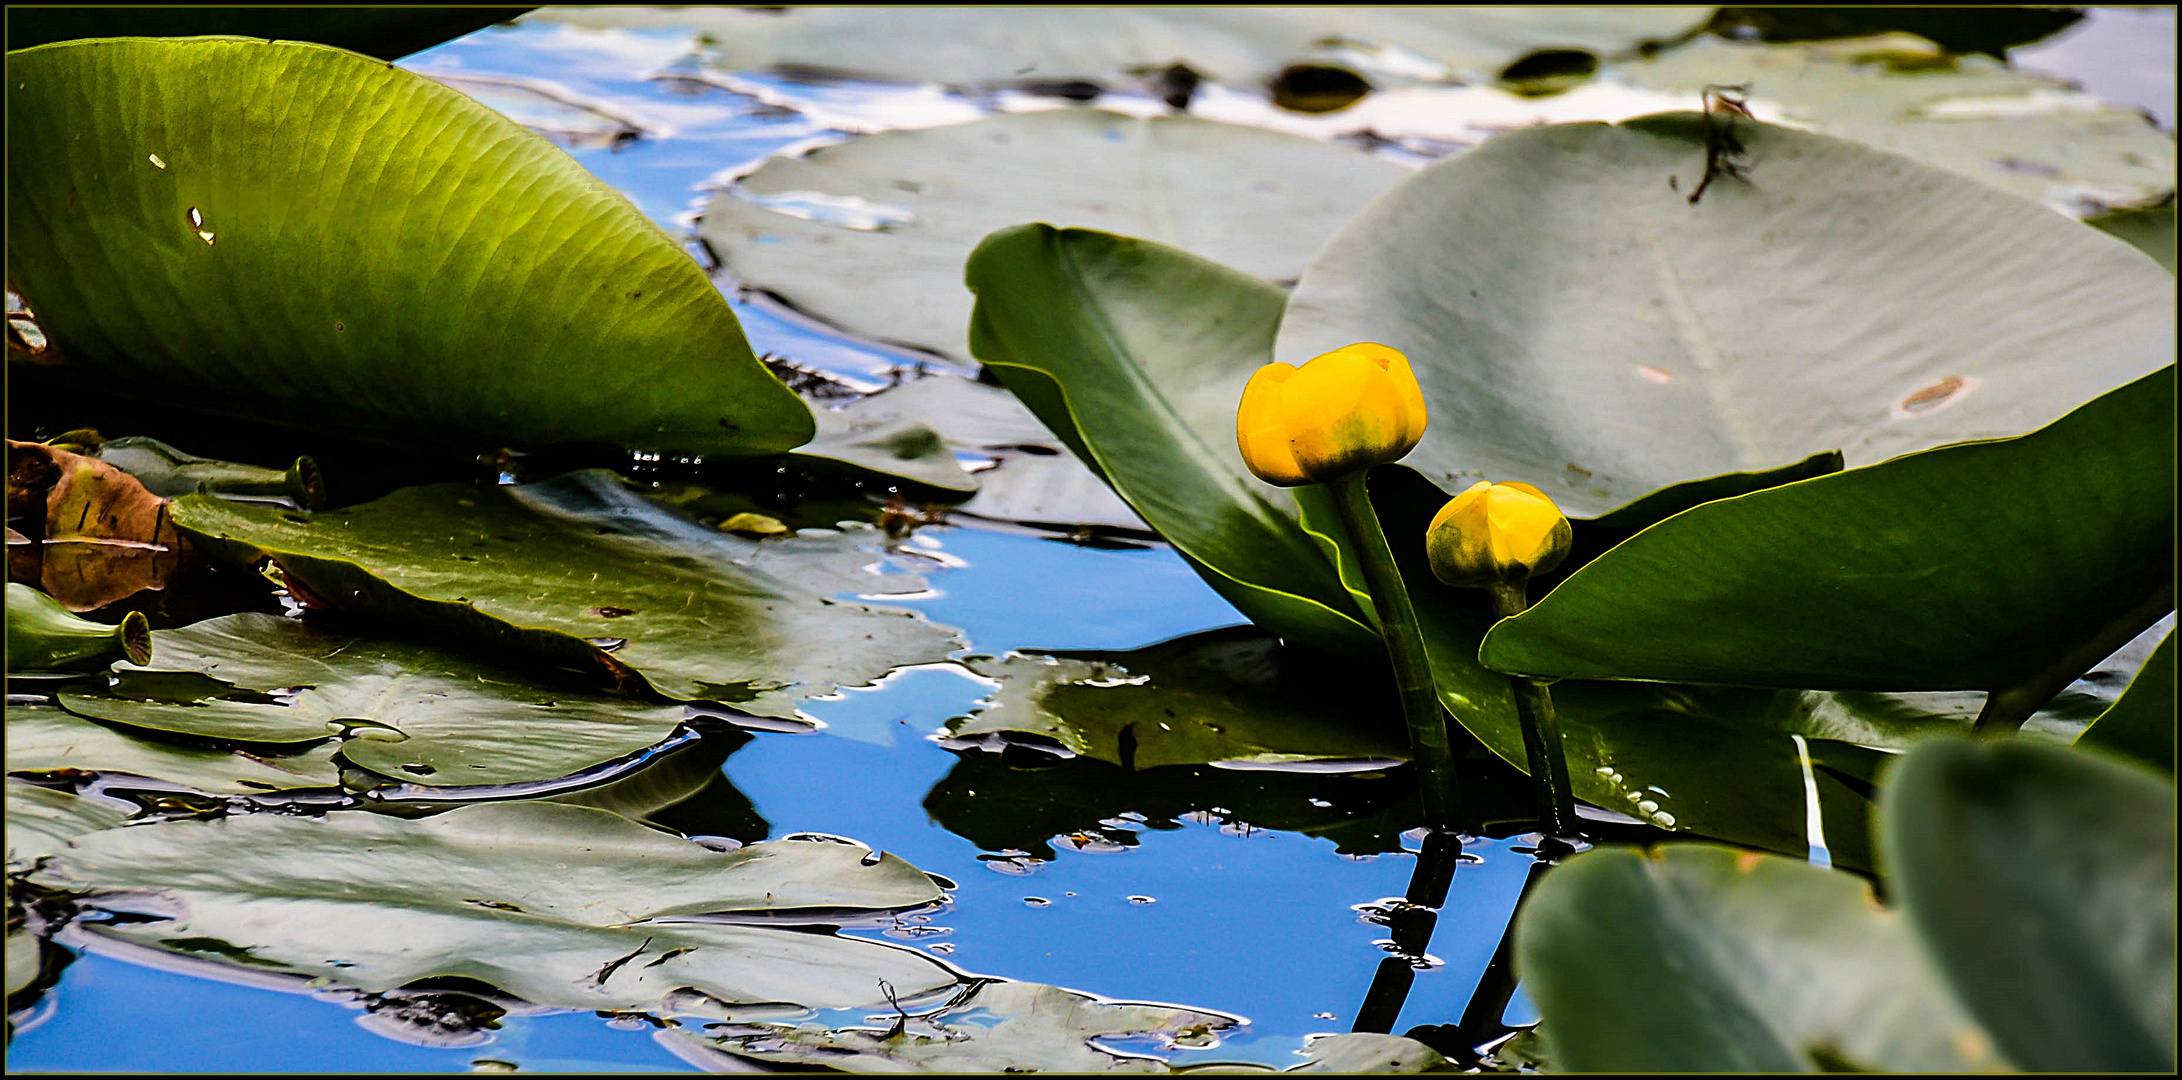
(1496, 533)
(1346, 410)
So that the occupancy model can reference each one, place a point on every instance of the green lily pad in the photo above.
(2050, 552)
(2148, 229)
(44, 738)
(43, 822)
(416, 713)
(2043, 883)
(1238, 46)
(2141, 723)
(561, 571)
(535, 899)
(870, 235)
(272, 208)
(1693, 958)
(1370, 1052)
(387, 33)
(991, 1027)
(569, 864)
(914, 431)
(1576, 323)
(1225, 697)
(2032, 135)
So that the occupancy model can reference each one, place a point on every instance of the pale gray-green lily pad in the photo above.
(1238, 46)
(1225, 697)
(314, 237)
(1696, 958)
(43, 822)
(46, 738)
(582, 573)
(1213, 189)
(536, 899)
(2032, 135)
(992, 1026)
(411, 712)
(916, 430)
(1578, 324)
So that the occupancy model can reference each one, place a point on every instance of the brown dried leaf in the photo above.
(104, 537)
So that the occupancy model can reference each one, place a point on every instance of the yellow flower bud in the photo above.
(1351, 408)
(1496, 533)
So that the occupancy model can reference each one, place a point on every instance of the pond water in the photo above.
(1160, 895)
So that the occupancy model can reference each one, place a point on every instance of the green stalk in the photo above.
(1405, 647)
(1541, 728)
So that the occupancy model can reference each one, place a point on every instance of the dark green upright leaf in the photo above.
(1136, 354)
(1980, 566)
(2043, 882)
(293, 232)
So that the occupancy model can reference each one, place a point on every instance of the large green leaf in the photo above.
(870, 236)
(2141, 723)
(45, 738)
(1975, 116)
(387, 33)
(414, 713)
(1226, 697)
(1693, 958)
(289, 231)
(1576, 323)
(582, 573)
(533, 898)
(2047, 553)
(2043, 882)
(1238, 46)
(993, 1026)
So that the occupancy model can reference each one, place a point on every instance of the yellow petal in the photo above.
(1458, 542)
(1497, 532)
(1344, 413)
(1261, 429)
(1396, 366)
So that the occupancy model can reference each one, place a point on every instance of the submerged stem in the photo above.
(1541, 729)
(1405, 647)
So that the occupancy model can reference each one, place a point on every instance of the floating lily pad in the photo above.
(275, 209)
(561, 571)
(1693, 958)
(532, 898)
(1223, 697)
(1239, 46)
(415, 713)
(2043, 883)
(922, 431)
(897, 276)
(42, 822)
(2141, 723)
(1576, 323)
(2051, 551)
(2033, 135)
(44, 738)
(992, 1026)
(1370, 1052)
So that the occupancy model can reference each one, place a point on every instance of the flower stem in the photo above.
(1405, 648)
(1541, 729)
